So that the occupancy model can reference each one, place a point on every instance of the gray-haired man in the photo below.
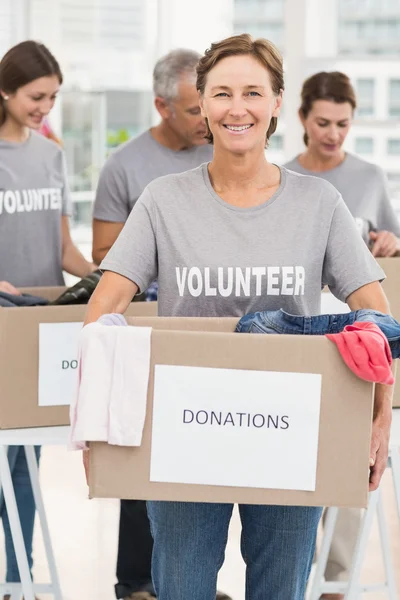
(176, 144)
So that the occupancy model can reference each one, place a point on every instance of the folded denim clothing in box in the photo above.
(14, 300)
(278, 321)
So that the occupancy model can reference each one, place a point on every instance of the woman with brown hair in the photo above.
(194, 231)
(328, 102)
(35, 241)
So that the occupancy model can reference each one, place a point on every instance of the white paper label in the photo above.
(232, 427)
(330, 305)
(58, 362)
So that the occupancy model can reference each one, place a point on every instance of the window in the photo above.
(276, 142)
(260, 18)
(393, 147)
(364, 145)
(365, 89)
(394, 98)
(393, 177)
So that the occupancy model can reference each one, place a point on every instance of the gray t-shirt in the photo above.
(133, 166)
(33, 196)
(363, 187)
(214, 259)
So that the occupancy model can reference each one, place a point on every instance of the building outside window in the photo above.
(394, 98)
(393, 147)
(276, 142)
(365, 89)
(364, 145)
(260, 18)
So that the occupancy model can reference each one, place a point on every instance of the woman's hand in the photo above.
(385, 244)
(8, 288)
(372, 296)
(73, 260)
(379, 449)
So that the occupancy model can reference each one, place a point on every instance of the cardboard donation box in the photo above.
(232, 417)
(38, 360)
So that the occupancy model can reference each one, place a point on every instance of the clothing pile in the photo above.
(367, 339)
(79, 293)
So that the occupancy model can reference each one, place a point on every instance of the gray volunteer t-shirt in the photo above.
(33, 196)
(133, 166)
(214, 259)
(363, 187)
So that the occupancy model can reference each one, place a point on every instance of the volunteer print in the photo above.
(30, 200)
(241, 282)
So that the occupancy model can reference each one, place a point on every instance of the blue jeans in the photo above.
(279, 321)
(26, 509)
(277, 545)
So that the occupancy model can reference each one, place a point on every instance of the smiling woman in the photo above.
(229, 238)
(30, 78)
(256, 70)
(35, 243)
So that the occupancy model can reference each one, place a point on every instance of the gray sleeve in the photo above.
(66, 193)
(134, 254)
(387, 218)
(112, 196)
(348, 264)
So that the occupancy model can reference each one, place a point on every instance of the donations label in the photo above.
(58, 363)
(232, 427)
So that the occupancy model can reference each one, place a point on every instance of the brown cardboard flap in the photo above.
(391, 284)
(220, 324)
(345, 419)
(19, 361)
(49, 293)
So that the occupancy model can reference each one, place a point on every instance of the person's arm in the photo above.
(111, 207)
(372, 296)
(113, 294)
(72, 260)
(104, 235)
(385, 244)
(385, 240)
(353, 276)
(8, 288)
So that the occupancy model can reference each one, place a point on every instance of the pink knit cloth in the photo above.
(366, 351)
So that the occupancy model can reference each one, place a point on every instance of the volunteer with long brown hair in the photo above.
(35, 241)
(195, 231)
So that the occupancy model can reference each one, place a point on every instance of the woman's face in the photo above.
(239, 103)
(327, 125)
(32, 102)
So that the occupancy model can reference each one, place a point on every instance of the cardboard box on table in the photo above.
(19, 361)
(345, 416)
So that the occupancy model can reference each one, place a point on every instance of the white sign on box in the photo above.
(330, 305)
(58, 362)
(233, 427)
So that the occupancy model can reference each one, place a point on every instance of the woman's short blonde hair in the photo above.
(262, 50)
